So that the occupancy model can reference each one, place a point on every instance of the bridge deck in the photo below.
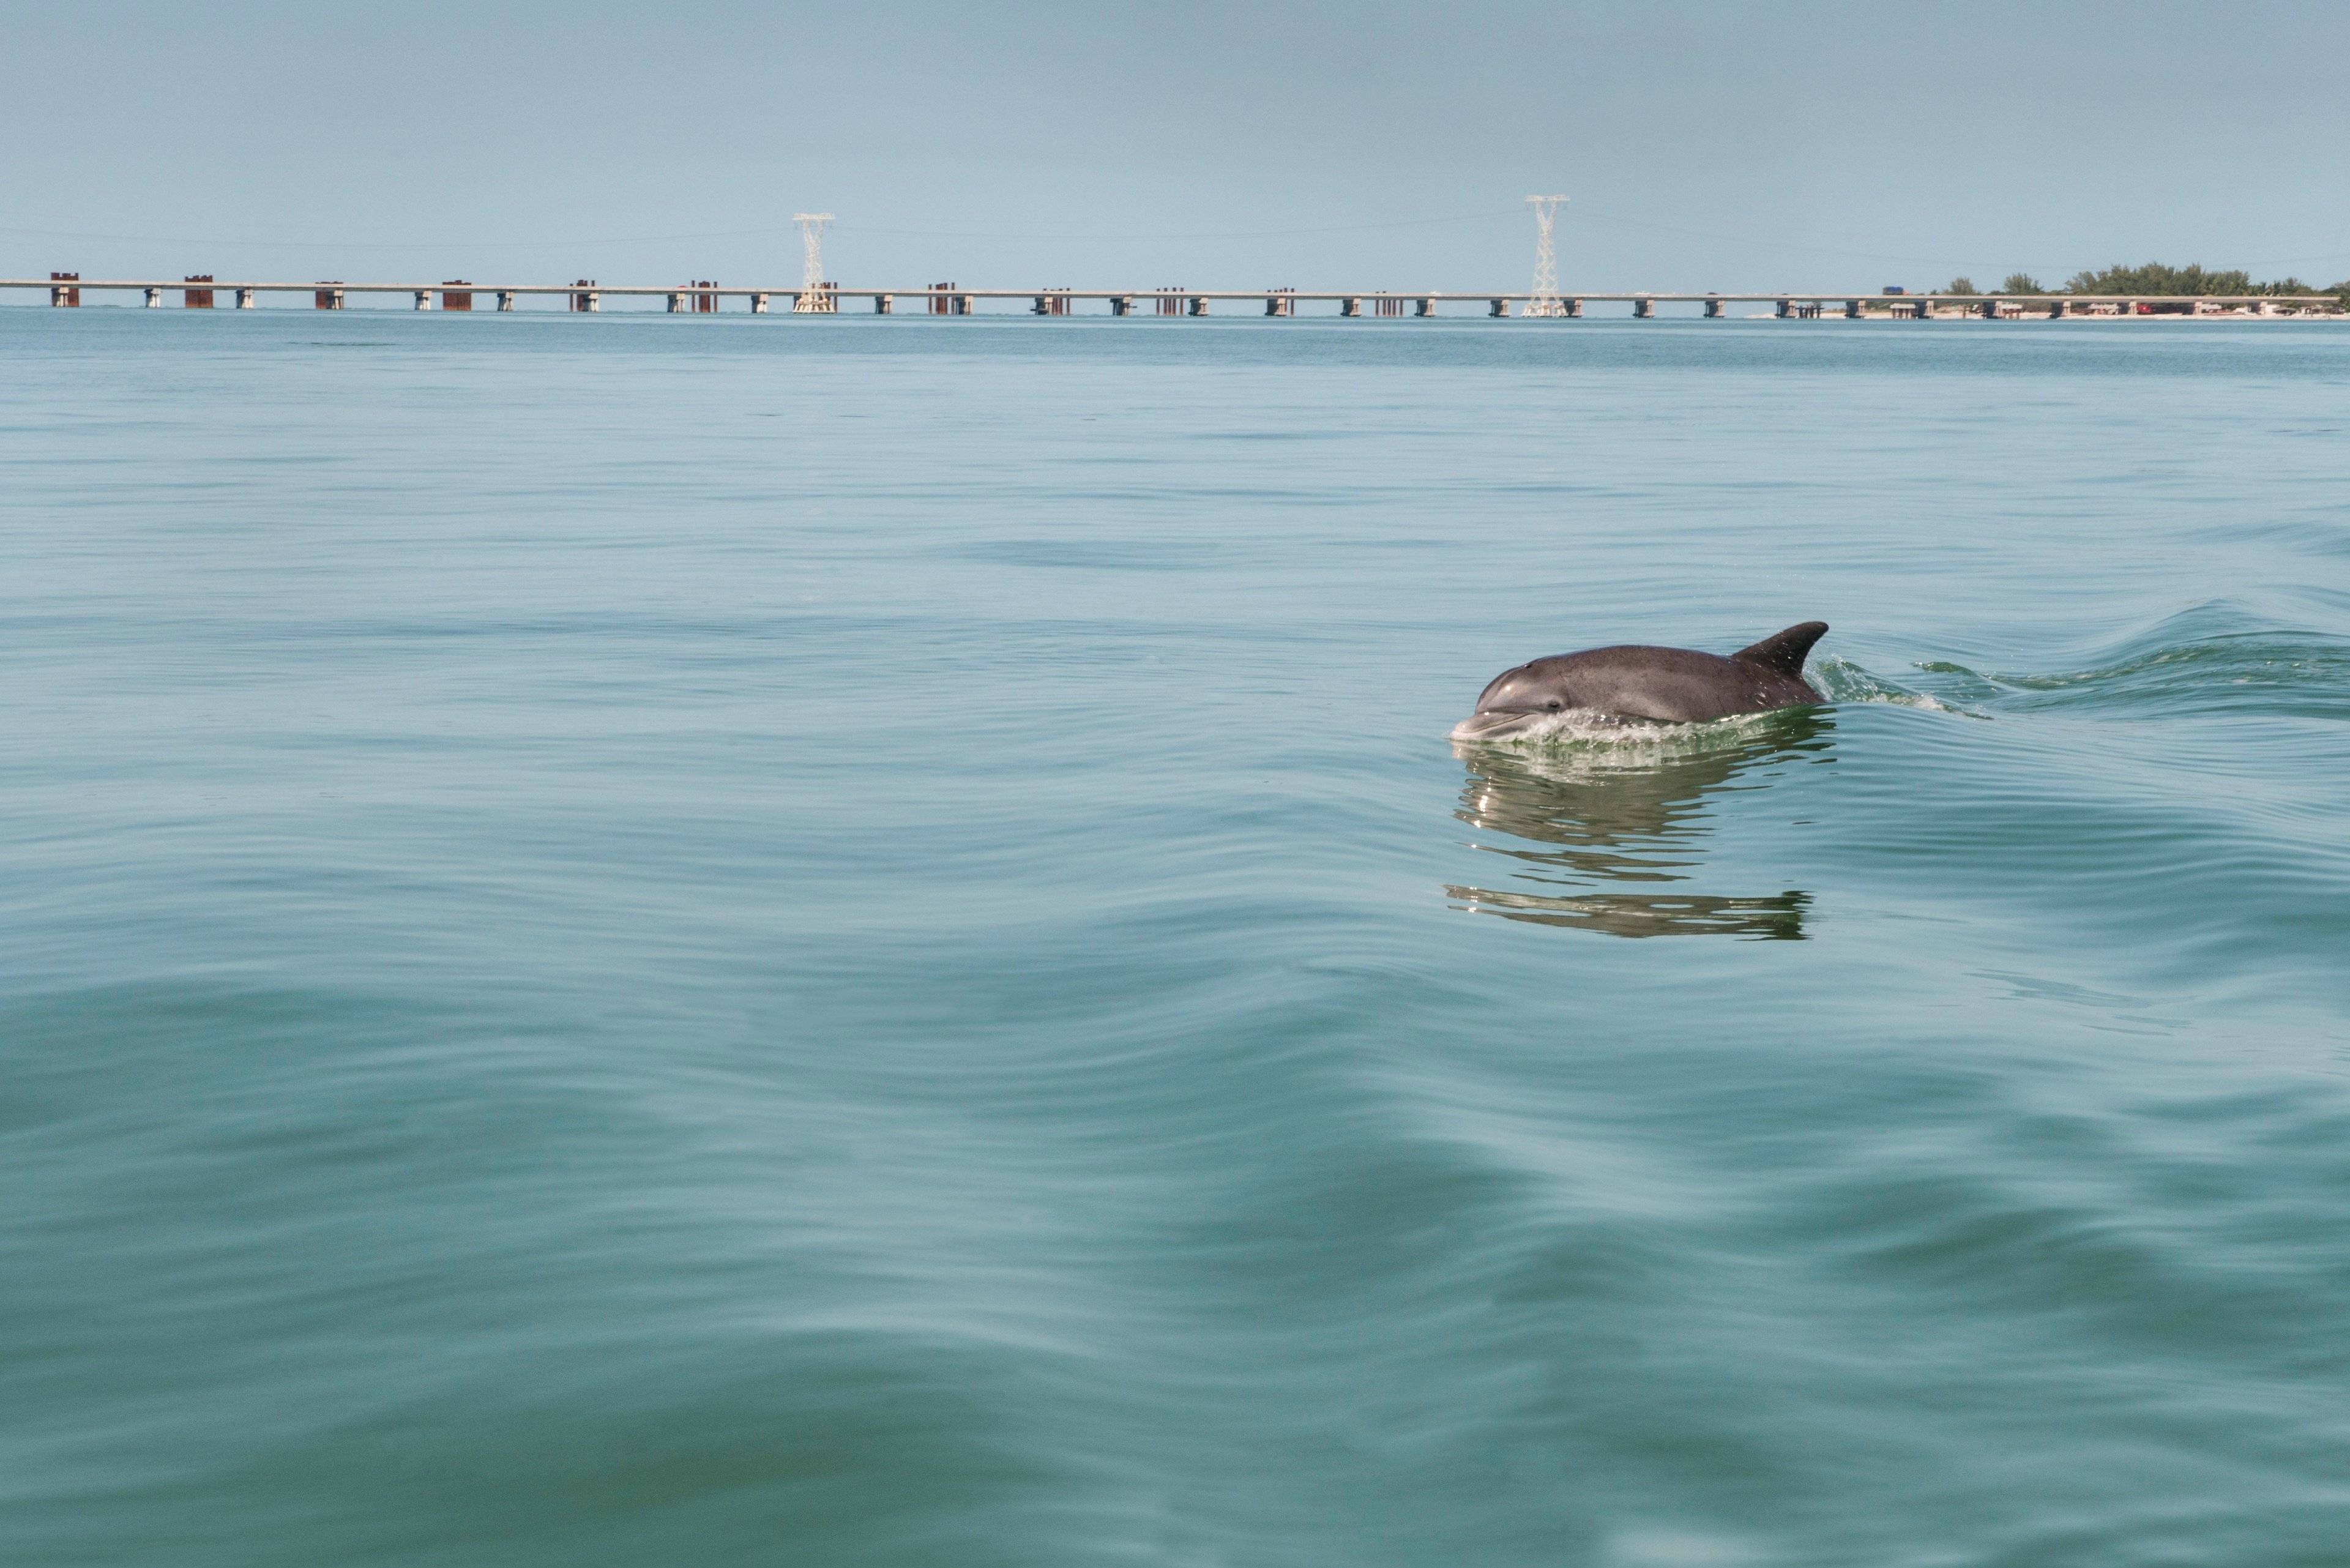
(232, 287)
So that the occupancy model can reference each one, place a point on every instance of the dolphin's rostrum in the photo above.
(1657, 685)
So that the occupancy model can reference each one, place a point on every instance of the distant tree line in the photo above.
(2154, 277)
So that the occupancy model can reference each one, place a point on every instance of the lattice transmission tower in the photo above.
(814, 298)
(1545, 300)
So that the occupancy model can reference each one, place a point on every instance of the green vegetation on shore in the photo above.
(2154, 279)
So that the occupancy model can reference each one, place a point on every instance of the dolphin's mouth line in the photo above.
(1519, 724)
(1594, 725)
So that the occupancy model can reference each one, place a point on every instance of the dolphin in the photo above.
(1657, 685)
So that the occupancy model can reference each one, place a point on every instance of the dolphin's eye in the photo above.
(1554, 704)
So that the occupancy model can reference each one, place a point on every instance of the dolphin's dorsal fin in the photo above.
(1786, 651)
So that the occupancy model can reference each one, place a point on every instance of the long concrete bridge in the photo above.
(65, 290)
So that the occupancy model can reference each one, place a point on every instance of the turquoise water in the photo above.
(858, 942)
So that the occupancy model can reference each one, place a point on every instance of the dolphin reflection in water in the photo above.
(1636, 813)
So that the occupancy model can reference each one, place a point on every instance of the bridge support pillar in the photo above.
(1573, 308)
(676, 304)
(1852, 311)
(1784, 309)
(883, 304)
(424, 299)
(245, 299)
(1423, 306)
(1199, 305)
(1713, 309)
(1043, 307)
(506, 299)
(1500, 307)
(1643, 309)
(758, 305)
(1120, 304)
(1352, 304)
(154, 299)
(1988, 310)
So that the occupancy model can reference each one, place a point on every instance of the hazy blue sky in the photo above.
(1375, 145)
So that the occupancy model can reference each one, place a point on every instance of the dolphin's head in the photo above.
(1527, 701)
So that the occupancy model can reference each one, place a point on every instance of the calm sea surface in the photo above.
(647, 941)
